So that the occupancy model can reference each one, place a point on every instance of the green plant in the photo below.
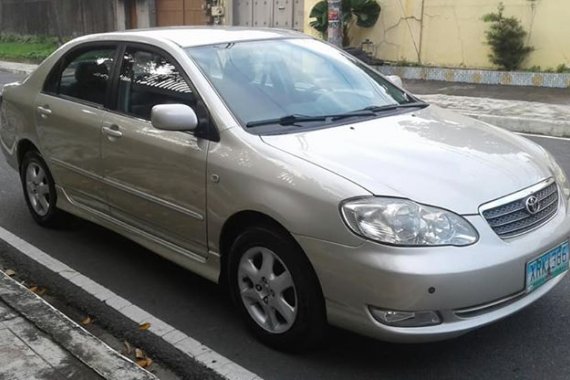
(562, 68)
(28, 39)
(14, 47)
(363, 13)
(534, 68)
(404, 62)
(506, 37)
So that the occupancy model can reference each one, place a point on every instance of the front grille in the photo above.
(512, 217)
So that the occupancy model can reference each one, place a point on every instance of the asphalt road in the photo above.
(532, 344)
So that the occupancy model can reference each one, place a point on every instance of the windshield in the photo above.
(265, 81)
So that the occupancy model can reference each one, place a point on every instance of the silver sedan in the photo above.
(311, 187)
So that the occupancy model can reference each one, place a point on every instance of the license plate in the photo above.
(547, 266)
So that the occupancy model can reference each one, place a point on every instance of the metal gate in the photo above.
(287, 14)
(180, 12)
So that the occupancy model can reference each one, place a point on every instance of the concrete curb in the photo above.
(521, 125)
(513, 115)
(77, 341)
(179, 351)
(479, 76)
(17, 67)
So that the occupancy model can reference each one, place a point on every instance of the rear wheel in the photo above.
(275, 288)
(39, 190)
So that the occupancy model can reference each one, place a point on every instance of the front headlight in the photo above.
(404, 222)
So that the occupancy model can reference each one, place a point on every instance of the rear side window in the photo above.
(86, 76)
(148, 79)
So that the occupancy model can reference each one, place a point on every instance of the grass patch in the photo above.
(18, 51)
(32, 49)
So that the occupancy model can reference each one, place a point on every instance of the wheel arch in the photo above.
(239, 222)
(23, 147)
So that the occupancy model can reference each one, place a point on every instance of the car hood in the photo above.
(431, 156)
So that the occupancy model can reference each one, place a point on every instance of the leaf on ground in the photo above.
(40, 291)
(144, 363)
(33, 289)
(128, 348)
(139, 354)
(145, 326)
(10, 273)
(86, 321)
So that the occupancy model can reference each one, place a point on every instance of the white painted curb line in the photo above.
(544, 137)
(188, 345)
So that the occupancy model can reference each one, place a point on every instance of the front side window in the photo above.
(86, 77)
(148, 79)
(292, 79)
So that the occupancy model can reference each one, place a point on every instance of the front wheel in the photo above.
(39, 190)
(275, 288)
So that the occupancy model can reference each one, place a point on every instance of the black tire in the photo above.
(309, 326)
(53, 217)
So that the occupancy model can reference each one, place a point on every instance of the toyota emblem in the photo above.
(532, 205)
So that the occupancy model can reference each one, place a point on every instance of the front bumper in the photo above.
(471, 286)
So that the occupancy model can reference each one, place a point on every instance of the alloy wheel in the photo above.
(267, 290)
(37, 188)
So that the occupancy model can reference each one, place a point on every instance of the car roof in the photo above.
(187, 36)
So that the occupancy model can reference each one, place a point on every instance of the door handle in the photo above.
(44, 111)
(112, 131)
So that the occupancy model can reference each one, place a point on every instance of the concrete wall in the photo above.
(451, 32)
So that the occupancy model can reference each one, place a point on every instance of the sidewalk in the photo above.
(17, 67)
(27, 353)
(529, 94)
(544, 111)
(39, 342)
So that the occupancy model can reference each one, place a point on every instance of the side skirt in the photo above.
(207, 267)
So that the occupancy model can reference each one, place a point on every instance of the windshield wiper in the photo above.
(365, 112)
(391, 107)
(294, 119)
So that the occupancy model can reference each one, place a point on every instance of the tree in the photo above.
(363, 13)
(506, 37)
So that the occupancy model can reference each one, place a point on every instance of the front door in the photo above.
(68, 115)
(155, 180)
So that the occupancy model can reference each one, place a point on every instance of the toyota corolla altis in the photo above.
(315, 190)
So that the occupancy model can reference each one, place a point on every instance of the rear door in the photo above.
(69, 114)
(155, 180)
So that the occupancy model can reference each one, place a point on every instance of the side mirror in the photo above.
(174, 117)
(395, 79)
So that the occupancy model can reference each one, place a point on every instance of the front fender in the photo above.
(245, 174)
